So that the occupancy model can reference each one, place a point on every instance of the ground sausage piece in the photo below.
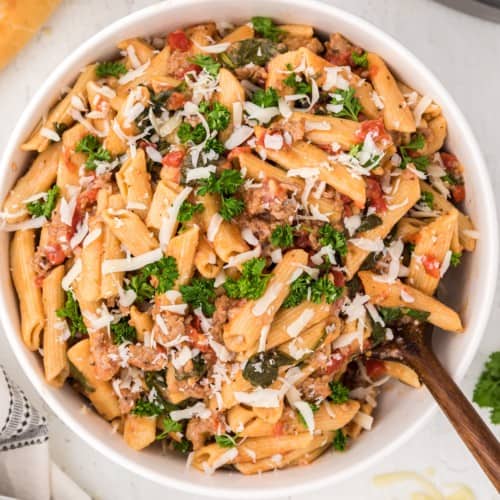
(272, 200)
(296, 42)
(295, 128)
(314, 388)
(224, 307)
(256, 74)
(260, 228)
(127, 399)
(146, 358)
(339, 50)
(175, 328)
(198, 430)
(105, 354)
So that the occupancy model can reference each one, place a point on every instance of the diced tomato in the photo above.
(338, 277)
(278, 428)
(372, 70)
(234, 153)
(178, 40)
(375, 368)
(55, 254)
(175, 101)
(374, 195)
(431, 265)
(143, 144)
(458, 193)
(450, 161)
(173, 159)
(335, 362)
(375, 127)
(186, 69)
(198, 339)
(347, 205)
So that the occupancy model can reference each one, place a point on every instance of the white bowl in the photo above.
(402, 411)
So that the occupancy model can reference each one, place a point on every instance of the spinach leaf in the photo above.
(80, 378)
(262, 368)
(369, 222)
(251, 51)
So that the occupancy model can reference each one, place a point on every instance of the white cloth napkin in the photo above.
(26, 472)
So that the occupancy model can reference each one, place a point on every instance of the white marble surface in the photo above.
(463, 52)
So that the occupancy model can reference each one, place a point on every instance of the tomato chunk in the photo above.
(178, 40)
(175, 101)
(431, 265)
(374, 195)
(375, 368)
(173, 159)
(375, 127)
(458, 193)
(55, 254)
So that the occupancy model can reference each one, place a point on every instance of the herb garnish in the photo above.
(252, 284)
(200, 293)
(45, 207)
(92, 147)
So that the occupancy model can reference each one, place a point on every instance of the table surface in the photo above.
(463, 52)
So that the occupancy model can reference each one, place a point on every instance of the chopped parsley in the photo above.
(456, 257)
(420, 162)
(214, 144)
(146, 408)
(265, 27)
(168, 426)
(231, 208)
(324, 289)
(91, 146)
(157, 277)
(265, 98)
(123, 332)
(226, 184)
(200, 293)
(71, 312)
(183, 446)
(186, 132)
(216, 114)
(351, 106)
(427, 198)
(187, 210)
(339, 441)
(253, 282)
(487, 391)
(44, 207)
(390, 314)
(340, 393)
(226, 440)
(296, 82)
(299, 289)
(282, 236)
(360, 59)
(209, 64)
(110, 68)
(336, 239)
(305, 287)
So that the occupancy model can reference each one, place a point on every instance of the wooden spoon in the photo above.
(414, 347)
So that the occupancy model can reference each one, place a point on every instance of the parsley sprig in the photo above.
(226, 185)
(253, 282)
(297, 82)
(339, 394)
(187, 210)
(157, 277)
(456, 257)
(123, 332)
(336, 239)
(265, 98)
(227, 440)
(168, 426)
(110, 68)
(71, 312)
(146, 408)
(487, 390)
(44, 207)
(420, 162)
(282, 236)
(92, 147)
(339, 441)
(360, 60)
(351, 106)
(200, 293)
(305, 286)
(265, 27)
(209, 64)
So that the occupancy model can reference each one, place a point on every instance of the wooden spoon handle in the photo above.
(468, 424)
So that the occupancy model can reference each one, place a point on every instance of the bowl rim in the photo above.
(484, 186)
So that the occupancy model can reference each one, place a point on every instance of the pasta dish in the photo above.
(220, 227)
